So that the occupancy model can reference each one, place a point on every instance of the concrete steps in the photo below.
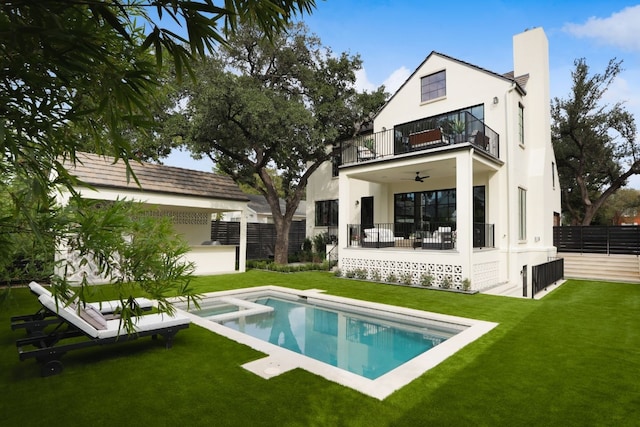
(505, 290)
(623, 268)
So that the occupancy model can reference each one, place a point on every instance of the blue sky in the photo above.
(394, 37)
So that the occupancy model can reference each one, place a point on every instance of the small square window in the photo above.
(433, 86)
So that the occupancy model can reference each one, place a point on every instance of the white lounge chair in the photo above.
(36, 322)
(89, 323)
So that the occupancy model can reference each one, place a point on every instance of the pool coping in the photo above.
(280, 360)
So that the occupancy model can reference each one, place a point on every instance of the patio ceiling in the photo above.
(406, 171)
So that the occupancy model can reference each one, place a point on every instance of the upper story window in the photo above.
(433, 86)
(522, 214)
(521, 124)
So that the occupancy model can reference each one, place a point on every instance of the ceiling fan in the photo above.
(419, 178)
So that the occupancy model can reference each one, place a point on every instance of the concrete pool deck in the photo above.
(281, 360)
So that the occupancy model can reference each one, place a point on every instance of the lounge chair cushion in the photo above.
(93, 317)
(378, 235)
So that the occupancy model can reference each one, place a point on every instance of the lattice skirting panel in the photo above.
(414, 271)
(78, 267)
(485, 275)
(183, 217)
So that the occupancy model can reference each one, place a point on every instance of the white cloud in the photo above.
(620, 29)
(396, 79)
(391, 83)
(362, 81)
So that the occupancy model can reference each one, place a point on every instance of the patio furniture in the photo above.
(426, 138)
(36, 322)
(365, 153)
(378, 238)
(441, 239)
(87, 327)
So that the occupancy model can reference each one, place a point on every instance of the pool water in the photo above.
(367, 346)
(216, 310)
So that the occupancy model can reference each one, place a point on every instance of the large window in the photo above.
(428, 210)
(326, 213)
(522, 214)
(433, 86)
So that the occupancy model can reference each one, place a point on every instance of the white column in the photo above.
(464, 210)
(242, 262)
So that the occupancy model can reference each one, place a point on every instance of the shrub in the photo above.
(446, 282)
(271, 266)
(466, 284)
(320, 242)
(426, 279)
(350, 274)
(375, 276)
(392, 278)
(406, 279)
(337, 272)
(361, 273)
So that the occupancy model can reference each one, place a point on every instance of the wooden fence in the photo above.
(261, 238)
(596, 239)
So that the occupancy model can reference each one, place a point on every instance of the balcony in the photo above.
(431, 236)
(444, 130)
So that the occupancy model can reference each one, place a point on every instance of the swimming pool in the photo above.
(373, 348)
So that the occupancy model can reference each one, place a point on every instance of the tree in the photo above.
(624, 203)
(259, 106)
(78, 74)
(595, 144)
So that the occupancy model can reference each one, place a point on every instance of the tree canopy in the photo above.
(595, 144)
(260, 105)
(79, 74)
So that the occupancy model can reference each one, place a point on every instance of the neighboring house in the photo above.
(457, 179)
(629, 216)
(258, 210)
(188, 197)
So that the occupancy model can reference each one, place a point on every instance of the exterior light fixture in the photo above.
(495, 100)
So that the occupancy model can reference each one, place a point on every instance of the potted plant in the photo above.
(458, 128)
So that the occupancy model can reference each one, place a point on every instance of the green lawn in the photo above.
(570, 359)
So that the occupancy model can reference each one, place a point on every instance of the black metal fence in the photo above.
(596, 239)
(546, 274)
(261, 238)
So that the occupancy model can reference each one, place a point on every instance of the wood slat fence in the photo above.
(261, 238)
(596, 239)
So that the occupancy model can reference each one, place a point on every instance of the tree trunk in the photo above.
(281, 253)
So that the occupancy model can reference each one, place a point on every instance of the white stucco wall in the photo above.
(527, 166)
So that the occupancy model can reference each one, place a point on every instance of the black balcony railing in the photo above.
(435, 236)
(427, 134)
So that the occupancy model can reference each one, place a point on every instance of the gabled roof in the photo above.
(102, 172)
(259, 204)
(520, 81)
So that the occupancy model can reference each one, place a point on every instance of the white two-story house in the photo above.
(457, 179)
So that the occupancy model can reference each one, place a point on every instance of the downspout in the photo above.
(509, 172)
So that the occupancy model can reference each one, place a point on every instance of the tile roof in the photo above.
(521, 80)
(102, 172)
